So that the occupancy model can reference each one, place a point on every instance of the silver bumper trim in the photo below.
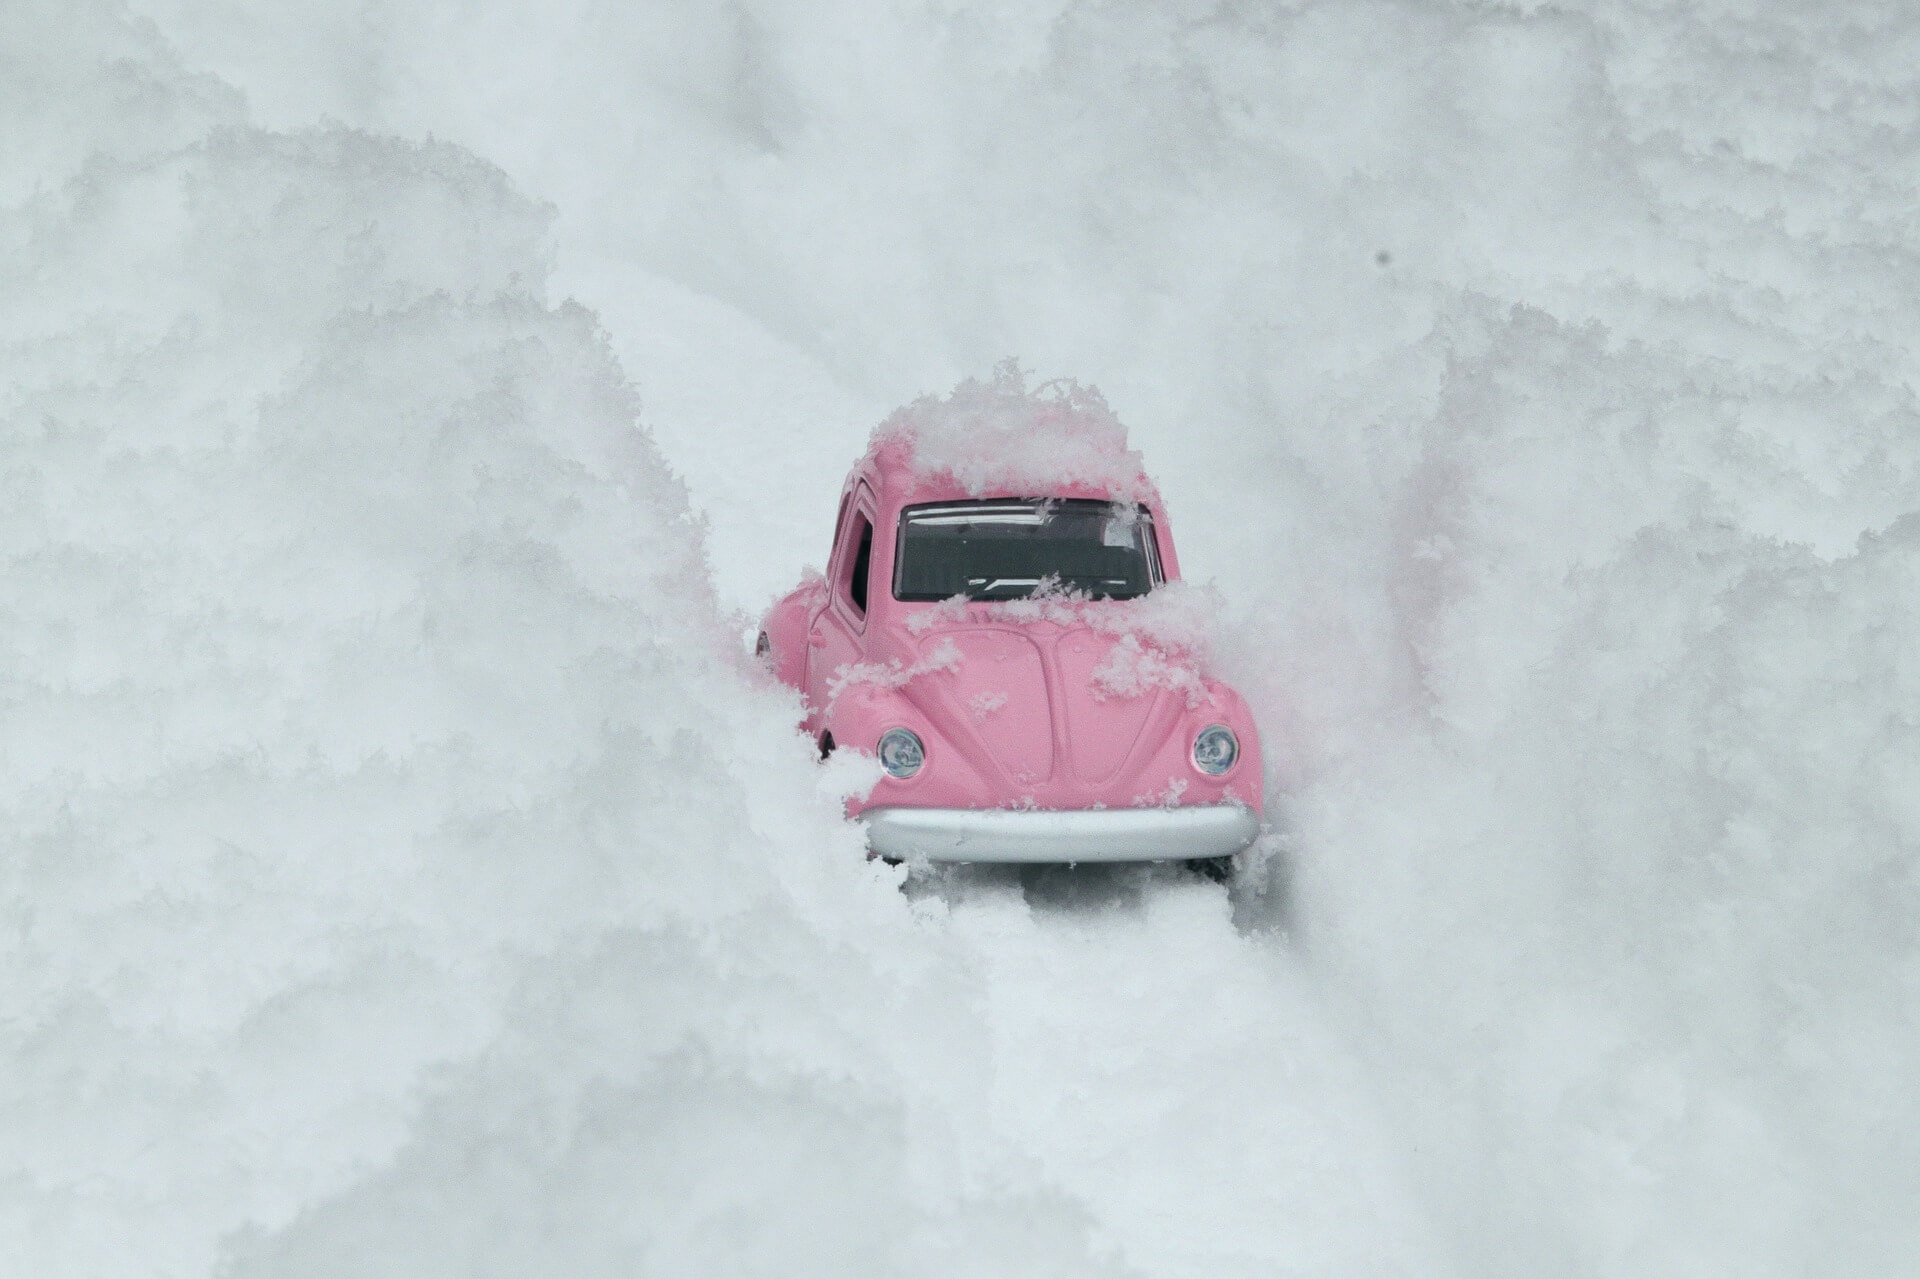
(1046, 835)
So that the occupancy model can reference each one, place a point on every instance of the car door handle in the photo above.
(817, 639)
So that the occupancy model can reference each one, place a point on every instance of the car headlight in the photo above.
(901, 753)
(1215, 750)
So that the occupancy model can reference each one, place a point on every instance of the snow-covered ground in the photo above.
(404, 405)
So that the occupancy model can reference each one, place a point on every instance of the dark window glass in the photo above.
(1002, 550)
(857, 588)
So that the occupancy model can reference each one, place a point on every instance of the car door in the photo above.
(838, 634)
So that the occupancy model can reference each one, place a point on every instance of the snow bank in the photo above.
(400, 875)
(1610, 872)
(1537, 382)
(403, 874)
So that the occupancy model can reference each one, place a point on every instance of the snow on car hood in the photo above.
(1057, 710)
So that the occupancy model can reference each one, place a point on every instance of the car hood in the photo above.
(1061, 714)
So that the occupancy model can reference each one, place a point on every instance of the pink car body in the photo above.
(1050, 728)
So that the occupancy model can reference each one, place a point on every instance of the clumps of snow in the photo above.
(814, 583)
(1132, 669)
(952, 611)
(1164, 638)
(845, 775)
(985, 704)
(1181, 617)
(999, 436)
(1176, 615)
(893, 673)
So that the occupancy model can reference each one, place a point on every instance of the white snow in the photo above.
(893, 673)
(1175, 615)
(1132, 670)
(403, 872)
(999, 435)
(985, 704)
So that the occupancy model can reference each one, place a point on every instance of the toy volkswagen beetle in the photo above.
(986, 630)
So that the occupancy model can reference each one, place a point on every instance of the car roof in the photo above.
(889, 470)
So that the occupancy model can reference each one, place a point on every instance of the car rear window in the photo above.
(1003, 550)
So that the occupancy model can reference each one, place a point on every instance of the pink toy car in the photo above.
(1009, 649)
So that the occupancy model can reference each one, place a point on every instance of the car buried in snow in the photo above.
(1018, 658)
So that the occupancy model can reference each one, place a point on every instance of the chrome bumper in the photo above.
(1077, 835)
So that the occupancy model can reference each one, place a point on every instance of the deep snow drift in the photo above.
(403, 875)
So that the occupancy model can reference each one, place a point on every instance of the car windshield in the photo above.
(1003, 550)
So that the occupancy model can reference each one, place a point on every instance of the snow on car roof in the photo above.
(998, 437)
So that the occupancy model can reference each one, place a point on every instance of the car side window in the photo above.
(857, 580)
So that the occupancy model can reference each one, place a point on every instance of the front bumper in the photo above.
(1046, 835)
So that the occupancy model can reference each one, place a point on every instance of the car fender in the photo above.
(1223, 705)
(863, 711)
(785, 627)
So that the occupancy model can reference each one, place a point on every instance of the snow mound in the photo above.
(1548, 370)
(398, 872)
(997, 436)
(1609, 819)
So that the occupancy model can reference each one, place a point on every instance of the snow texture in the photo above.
(404, 874)
(985, 704)
(1164, 637)
(1132, 670)
(999, 437)
(894, 673)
